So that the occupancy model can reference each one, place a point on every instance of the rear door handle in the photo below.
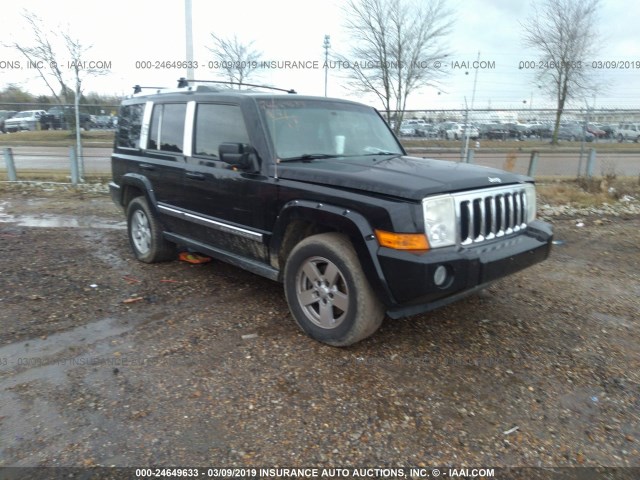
(195, 175)
(146, 166)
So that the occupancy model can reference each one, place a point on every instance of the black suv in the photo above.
(61, 117)
(319, 194)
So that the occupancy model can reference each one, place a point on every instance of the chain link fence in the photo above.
(46, 116)
(520, 124)
(600, 141)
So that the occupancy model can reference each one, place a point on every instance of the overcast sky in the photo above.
(124, 32)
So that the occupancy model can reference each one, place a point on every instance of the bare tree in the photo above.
(239, 60)
(564, 32)
(42, 56)
(79, 71)
(396, 48)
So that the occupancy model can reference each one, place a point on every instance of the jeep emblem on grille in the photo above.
(495, 180)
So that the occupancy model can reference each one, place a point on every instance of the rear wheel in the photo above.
(328, 293)
(145, 233)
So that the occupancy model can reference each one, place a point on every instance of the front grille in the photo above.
(491, 213)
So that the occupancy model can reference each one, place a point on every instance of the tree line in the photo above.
(13, 97)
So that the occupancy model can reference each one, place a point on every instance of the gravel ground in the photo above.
(108, 361)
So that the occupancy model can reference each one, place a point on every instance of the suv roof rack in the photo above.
(183, 82)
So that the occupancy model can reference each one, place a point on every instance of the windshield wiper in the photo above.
(307, 157)
(381, 152)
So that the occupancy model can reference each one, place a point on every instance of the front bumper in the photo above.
(410, 277)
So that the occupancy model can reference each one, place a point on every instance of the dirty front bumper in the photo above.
(416, 287)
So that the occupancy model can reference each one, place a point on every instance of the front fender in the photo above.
(338, 219)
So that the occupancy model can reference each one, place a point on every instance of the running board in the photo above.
(251, 265)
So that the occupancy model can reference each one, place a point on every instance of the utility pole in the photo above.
(188, 24)
(466, 127)
(326, 46)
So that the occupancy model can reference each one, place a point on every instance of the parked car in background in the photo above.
(517, 130)
(609, 130)
(458, 131)
(102, 121)
(595, 130)
(628, 131)
(407, 130)
(541, 129)
(27, 120)
(575, 132)
(5, 114)
(427, 131)
(493, 131)
(410, 127)
(62, 117)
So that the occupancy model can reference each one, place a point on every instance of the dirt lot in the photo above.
(107, 361)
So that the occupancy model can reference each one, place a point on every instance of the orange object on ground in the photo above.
(194, 258)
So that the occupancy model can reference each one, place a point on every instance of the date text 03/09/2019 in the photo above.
(316, 472)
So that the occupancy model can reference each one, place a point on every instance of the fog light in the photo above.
(440, 276)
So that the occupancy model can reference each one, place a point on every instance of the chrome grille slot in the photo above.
(490, 213)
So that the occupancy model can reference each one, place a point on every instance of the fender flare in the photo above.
(141, 183)
(338, 219)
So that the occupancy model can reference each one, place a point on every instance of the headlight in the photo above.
(530, 195)
(440, 220)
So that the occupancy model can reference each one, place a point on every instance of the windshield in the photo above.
(312, 128)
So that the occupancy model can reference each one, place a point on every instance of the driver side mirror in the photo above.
(239, 155)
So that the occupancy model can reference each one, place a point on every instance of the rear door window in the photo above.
(166, 132)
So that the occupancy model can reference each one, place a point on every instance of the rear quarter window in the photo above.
(129, 125)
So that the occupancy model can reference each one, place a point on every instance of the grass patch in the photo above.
(602, 146)
(54, 176)
(57, 137)
(587, 192)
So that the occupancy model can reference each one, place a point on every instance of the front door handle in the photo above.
(194, 175)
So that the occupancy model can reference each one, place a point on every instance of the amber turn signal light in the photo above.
(402, 241)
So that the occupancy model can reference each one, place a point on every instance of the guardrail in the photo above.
(21, 163)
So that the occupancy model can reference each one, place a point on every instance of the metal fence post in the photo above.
(11, 166)
(533, 163)
(591, 162)
(470, 154)
(74, 165)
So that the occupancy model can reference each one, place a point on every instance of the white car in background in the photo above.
(628, 131)
(27, 120)
(458, 131)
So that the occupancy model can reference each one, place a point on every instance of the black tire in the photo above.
(620, 138)
(145, 233)
(337, 306)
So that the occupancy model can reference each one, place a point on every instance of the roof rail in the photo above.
(183, 82)
(138, 88)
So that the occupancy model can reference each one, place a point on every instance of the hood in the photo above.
(401, 176)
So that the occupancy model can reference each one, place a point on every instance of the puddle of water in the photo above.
(60, 221)
(46, 220)
(39, 358)
(612, 320)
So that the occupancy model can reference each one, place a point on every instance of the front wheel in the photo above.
(328, 293)
(145, 233)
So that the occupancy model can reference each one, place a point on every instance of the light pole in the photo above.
(188, 23)
(326, 46)
(466, 126)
